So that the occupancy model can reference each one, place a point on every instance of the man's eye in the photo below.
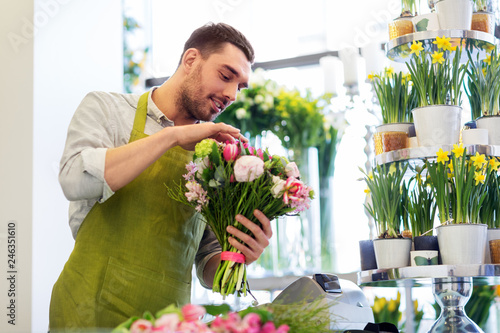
(225, 77)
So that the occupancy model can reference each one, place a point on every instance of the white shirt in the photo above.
(105, 120)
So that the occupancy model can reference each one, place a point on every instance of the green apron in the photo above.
(134, 252)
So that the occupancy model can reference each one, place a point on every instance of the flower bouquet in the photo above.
(188, 320)
(226, 179)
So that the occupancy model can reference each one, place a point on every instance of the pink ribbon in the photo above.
(233, 256)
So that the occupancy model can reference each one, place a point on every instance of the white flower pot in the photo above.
(490, 235)
(454, 14)
(462, 244)
(475, 136)
(492, 124)
(437, 125)
(426, 22)
(392, 252)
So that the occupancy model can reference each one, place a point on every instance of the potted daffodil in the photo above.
(396, 99)
(437, 77)
(385, 205)
(459, 182)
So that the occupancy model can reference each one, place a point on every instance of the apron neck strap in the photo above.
(141, 113)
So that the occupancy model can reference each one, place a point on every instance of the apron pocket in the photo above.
(130, 290)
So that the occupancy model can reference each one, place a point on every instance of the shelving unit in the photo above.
(399, 50)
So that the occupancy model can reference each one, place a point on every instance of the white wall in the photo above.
(16, 147)
(78, 48)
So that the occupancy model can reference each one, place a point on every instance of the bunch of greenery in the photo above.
(421, 206)
(437, 77)
(483, 85)
(459, 184)
(395, 95)
(385, 184)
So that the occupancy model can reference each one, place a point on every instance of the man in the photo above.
(134, 246)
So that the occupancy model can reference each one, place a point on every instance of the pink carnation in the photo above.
(248, 168)
(167, 323)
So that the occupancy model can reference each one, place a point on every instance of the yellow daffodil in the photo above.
(437, 57)
(389, 71)
(392, 169)
(450, 166)
(443, 43)
(452, 48)
(416, 47)
(371, 76)
(367, 191)
(458, 150)
(370, 175)
(479, 160)
(419, 178)
(479, 177)
(406, 77)
(450, 175)
(393, 305)
(494, 164)
(488, 59)
(415, 305)
(484, 71)
(489, 47)
(442, 156)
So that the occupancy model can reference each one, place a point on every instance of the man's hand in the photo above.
(188, 136)
(253, 246)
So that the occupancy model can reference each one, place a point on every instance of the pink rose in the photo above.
(231, 152)
(167, 323)
(260, 153)
(248, 168)
(292, 170)
(141, 326)
(283, 329)
(192, 312)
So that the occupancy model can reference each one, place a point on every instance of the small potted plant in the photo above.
(454, 14)
(482, 17)
(459, 185)
(403, 25)
(489, 212)
(385, 206)
(421, 208)
(396, 100)
(437, 78)
(483, 92)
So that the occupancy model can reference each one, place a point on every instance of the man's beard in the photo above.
(189, 100)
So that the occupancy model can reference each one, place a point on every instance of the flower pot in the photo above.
(492, 234)
(392, 252)
(392, 136)
(461, 244)
(430, 243)
(367, 255)
(426, 243)
(492, 124)
(454, 14)
(426, 22)
(424, 258)
(437, 125)
(483, 21)
(400, 27)
(475, 136)
(494, 249)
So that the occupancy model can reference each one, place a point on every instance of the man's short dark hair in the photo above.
(212, 37)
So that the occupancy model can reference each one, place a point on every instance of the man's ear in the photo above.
(190, 58)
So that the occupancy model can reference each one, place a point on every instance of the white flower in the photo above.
(241, 113)
(201, 164)
(278, 187)
(259, 99)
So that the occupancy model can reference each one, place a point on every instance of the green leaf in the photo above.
(422, 24)
(215, 310)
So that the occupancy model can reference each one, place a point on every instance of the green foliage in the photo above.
(395, 96)
(483, 85)
(385, 184)
(421, 206)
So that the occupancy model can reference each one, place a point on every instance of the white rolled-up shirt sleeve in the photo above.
(90, 134)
